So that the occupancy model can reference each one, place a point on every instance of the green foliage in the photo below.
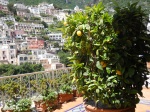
(66, 89)
(64, 57)
(9, 69)
(23, 105)
(2, 14)
(11, 8)
(56, 27)
(9, 23)
(109, 57)
(65, 84)
(57, 3)
(18, 19)
(35, 19)
(49, 95)
(9, 105)
(45, 24)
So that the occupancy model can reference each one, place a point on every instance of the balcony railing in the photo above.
(27, 85)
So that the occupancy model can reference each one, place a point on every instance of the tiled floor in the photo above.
(77, 104)
(78, 108)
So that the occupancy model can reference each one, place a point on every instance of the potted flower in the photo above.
(109, 55)
(65, 94)
(9, 106)
(23, 105)
(47, 100)
(76, 92)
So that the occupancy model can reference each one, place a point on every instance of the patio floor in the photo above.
(76, 105)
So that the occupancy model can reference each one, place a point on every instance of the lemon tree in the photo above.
(109, 53)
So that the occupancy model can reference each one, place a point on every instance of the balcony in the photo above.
(21, 86)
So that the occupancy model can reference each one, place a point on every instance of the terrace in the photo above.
(21, 86)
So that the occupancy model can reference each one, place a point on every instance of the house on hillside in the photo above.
(5, 41)
(23, 58)
(49, 20)
(3, 6)
(47, 9)
(35, 11)
(8, 52)
(29, 28)
(17, 34)
(35, 43)
(4, 2)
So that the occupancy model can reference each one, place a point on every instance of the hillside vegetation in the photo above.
(65, 4)
(58, 3)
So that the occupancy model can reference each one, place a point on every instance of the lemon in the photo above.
(79, 33)
(118, 72)
(65, 23)
(103, 64)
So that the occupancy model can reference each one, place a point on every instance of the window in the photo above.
(11, 47)
(25, 58)
(21, 58)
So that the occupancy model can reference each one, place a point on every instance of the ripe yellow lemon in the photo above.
(79, 33)
(103, 64)
(118, 72)
(65, 23)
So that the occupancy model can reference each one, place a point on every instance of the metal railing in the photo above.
(26, 85)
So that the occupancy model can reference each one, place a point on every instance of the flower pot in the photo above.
(53, 103)
(76, 93)
(90, 108)
(8, 111)
(40, 106)
(65, 97)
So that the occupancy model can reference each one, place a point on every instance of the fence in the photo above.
(26, 85)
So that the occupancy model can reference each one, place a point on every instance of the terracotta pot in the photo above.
(76, 93)
(8, 111)
(65, 97)
(53, 103)
(90, 108)
(40, 106)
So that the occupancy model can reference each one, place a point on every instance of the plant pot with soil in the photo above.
(65, 94)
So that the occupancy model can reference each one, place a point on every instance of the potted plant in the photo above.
(109, 55)
(65, 94)
(9, 106)
(45, 101)
(23, 105)
(40, 105)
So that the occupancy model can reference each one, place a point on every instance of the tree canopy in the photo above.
(9, 69)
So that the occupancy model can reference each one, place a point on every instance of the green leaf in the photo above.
(133, 91)
(87, 26)
(108, 70)
(111, 77)
(131, 72)
(98, 65)
(97, 91)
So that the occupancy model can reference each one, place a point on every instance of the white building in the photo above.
(8, 52)
(35, 11)
(20, 6)
(4, 2)
(8, 18)
(48, 20)
(55, 36)
(23, 58)
(5, 41)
